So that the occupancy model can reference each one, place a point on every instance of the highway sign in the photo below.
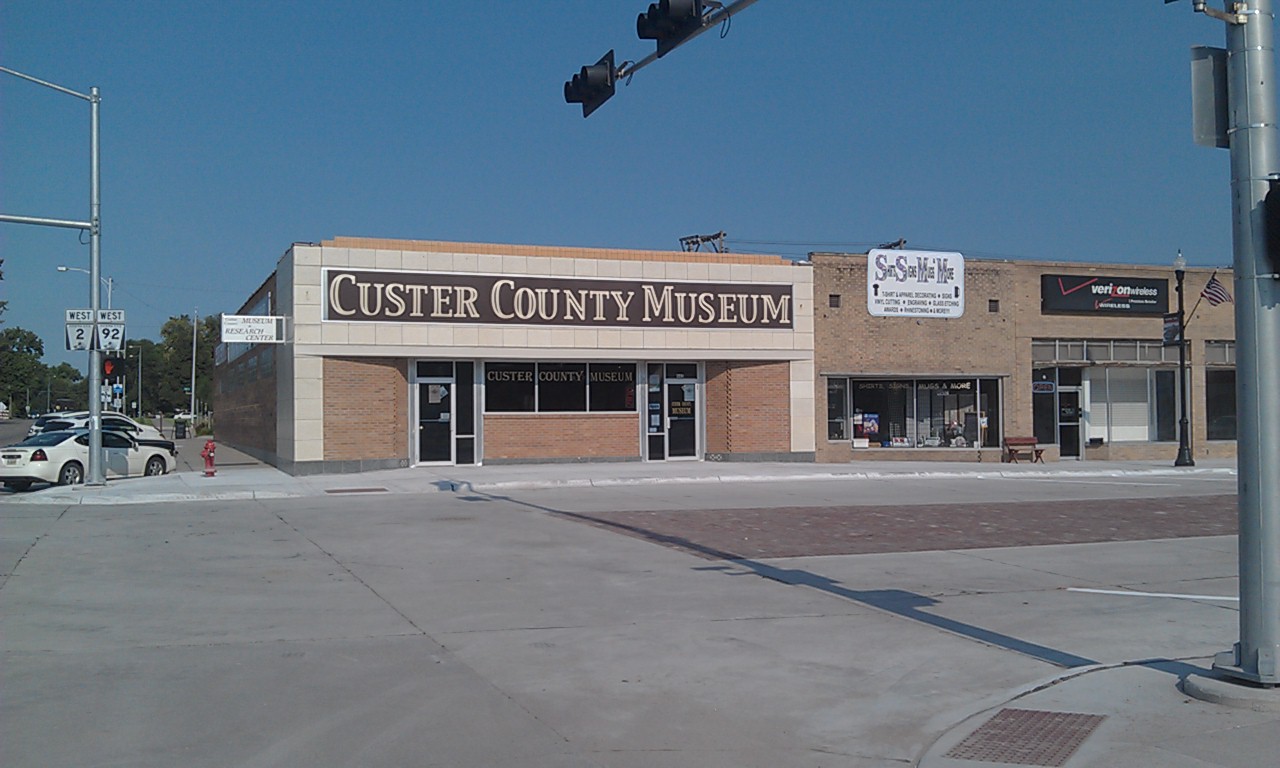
(79, 315)
(79, 336)
(110, 337)
(115, 316)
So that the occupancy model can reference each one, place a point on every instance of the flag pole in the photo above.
(1199, 299)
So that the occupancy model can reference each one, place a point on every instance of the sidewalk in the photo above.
(239, 476)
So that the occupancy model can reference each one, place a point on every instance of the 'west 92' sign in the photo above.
(915, 283)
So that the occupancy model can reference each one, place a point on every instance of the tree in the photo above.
(172, 384)
(20, 366)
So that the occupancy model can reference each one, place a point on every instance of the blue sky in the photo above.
(1001, 129)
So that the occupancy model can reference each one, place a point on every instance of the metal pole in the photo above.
(195, 328)
(1184, 430)
(1252, 130)
(94, 474)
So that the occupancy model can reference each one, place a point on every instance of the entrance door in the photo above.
(435, 421)
(1069, 422)
(682, 419)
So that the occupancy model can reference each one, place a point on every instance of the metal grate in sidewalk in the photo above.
(1027, 737)
(356, 490)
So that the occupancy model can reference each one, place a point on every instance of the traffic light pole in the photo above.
(710, 20)
(94, 474)
(1251, 108)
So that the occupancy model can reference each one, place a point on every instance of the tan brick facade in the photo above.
(748, 408)
(562, 437)
(994, 339)
(366, 409)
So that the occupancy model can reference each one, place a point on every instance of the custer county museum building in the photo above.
(401, 353)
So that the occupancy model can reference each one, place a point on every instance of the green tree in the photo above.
(173, 380)
(20, 366)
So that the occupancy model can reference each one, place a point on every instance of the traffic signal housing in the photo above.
(112, 366)
(593, 85)
(670, 22)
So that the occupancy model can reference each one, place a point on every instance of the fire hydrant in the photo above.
(207, 454)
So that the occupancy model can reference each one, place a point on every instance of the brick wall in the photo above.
(366, 408)
(246, 416)
(561, 436)
(748, 407)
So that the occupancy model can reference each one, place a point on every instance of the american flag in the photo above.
(1215, 292)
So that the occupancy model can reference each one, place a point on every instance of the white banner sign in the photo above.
(253, 329)
(915, 283)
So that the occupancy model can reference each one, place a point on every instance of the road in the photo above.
(588, 627)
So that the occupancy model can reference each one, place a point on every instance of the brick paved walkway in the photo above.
(723, 534)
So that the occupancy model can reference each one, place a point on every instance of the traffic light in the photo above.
(593, 85)
(112, 366)
(670, 22)
(1271, 226)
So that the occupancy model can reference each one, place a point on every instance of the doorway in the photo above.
(674, 412)
(1069, 422)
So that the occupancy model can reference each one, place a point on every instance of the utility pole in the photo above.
(195, 329)
(1248, 130)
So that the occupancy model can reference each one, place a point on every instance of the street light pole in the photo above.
(94, 473)
(107, 281)
(1184, 428)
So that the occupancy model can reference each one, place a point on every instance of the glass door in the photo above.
(435, 421)
(1069, 422)
(682, 419)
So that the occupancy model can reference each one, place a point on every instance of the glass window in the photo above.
(562, 386)
(682, 370)
(435, 368)
(1166, 405)
(1220, 404)
(612, 386)
(464, 403)
(509, 387)
(1124, 350)
(1219, 353)
(1098, 351)
(1044, 351)
(837, 409)
(881, 411)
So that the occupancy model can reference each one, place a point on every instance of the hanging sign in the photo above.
(915, 283)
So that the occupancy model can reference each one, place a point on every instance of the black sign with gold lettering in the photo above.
(424, 297)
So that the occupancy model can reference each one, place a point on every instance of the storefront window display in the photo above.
(559, 387)
(915, 413)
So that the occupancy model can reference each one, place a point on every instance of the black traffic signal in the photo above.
(670, 22)
(1271, 226)
(112, 366)
(593, 85)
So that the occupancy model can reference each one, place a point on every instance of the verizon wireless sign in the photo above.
(1094, 295)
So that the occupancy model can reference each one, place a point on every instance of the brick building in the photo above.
(400, 353)
(1067, 353)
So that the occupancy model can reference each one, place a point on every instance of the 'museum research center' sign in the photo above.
(915, 283)
(427, 297)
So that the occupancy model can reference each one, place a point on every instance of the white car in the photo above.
(111, 420)
(61, 457)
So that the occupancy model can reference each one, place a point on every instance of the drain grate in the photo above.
(1027, 737)
(355, 490)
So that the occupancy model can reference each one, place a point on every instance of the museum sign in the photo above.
(426, 297)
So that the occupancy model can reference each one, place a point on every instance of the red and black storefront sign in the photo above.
(1094, 295)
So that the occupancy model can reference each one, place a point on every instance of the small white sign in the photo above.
(111, 316)
(79, 336)
(79, 315)
(915, 283)
(110, 337)
(253, 329)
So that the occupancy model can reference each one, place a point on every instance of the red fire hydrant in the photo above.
(207, 453)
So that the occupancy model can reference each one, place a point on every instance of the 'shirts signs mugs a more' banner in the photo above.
(427, 297)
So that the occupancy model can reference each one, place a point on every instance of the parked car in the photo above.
(112, 420)
(60, 457)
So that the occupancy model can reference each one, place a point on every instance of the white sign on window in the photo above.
(915, 283)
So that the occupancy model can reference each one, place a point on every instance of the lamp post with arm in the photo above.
(105, 280)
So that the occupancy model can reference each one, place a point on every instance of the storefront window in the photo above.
(919, 413)
(509, 387)
(559, 387)
(612, 386)
(837, 409)
(562, 387)
(1220, 404)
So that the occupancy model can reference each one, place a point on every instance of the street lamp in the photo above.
(94, 473)
(105, 280)
(1184, 437)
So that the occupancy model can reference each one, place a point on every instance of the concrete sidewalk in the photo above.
(239, 476)
(459, 633)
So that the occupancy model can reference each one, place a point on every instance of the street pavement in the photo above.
(676, 614)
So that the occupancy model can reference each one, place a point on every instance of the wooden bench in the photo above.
(1028, 445)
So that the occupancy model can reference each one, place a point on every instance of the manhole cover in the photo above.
(1027, 737)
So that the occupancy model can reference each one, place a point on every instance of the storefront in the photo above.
(1074, 356)
(402, 353)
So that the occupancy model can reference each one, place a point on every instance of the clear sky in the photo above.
(1001, 129)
